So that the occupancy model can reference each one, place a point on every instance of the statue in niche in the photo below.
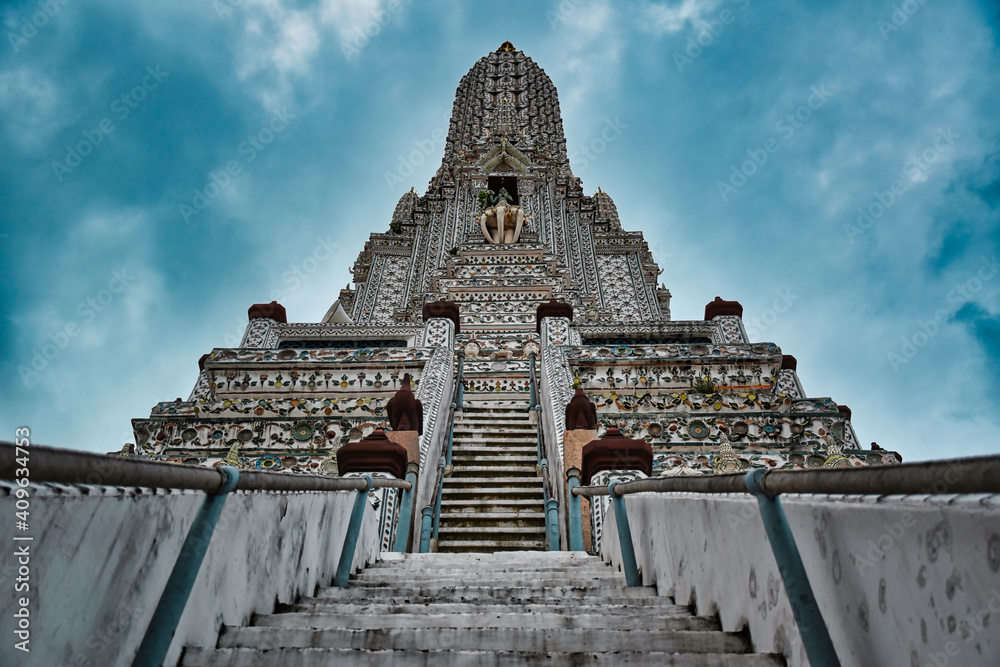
(500, 220)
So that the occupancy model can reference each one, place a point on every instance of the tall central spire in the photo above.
(506, 95)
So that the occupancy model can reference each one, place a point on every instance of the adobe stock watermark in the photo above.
(595, 147)
(378, 21)
(26, 31)
(971, 627)
(121, 107)
(757, 325)
(787, 126)
(292, 279)
(224, 8)
(59, 340)
(424, 149)
(914, 169)
(563, 11)
(219, 179)
(892, 535)
(961, 294)
(900, 14)
(708, 34)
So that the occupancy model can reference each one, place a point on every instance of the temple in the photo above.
(498, 448)
(540, 348)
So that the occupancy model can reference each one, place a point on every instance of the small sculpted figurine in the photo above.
(405, 412)
(581, 413)
(501, 221)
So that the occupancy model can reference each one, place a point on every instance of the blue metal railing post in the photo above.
(426, 519)
(624, 536)
(533, 395)
(406, 510)
(437, 502)
(353, 533)
(451, 435)
(156, 642)
(575, 514)
(812, 628)
(460, 396)
(552, 523)
(539, 435)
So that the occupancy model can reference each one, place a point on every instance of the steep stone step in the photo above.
(452, 593)
(502, 608)
(537, 579)
(489, 504)
(505, 470)
(490, 546)
(510, 425)
(468, 566)
(431, 618)
(635, 608)
(496, 437)
(460, 461)
(502, 574)
(489, 482)
(464, 449)
(324, 657)
(485, 639)
(451, 532)
(457, 493)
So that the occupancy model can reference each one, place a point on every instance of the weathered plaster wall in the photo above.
(101, 557)
(908, 581)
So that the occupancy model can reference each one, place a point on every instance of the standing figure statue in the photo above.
(501, 220)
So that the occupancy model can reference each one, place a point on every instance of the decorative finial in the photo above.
(233, 457)
(726, 460)
(507, 46)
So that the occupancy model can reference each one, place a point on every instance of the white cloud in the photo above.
(589, 45)
(32, 109)
(348, 16)
(672, 17)
(280, 41)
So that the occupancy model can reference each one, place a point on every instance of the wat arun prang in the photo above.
(522, 259)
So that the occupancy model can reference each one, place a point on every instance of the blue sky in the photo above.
(835, 167)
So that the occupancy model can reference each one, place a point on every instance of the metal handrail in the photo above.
(68, 466)
(550, 503)
(979, 474)
(460, 388)
(430, 516)
(969, 475)
(32, 464)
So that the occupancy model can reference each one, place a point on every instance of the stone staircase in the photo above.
(506, 608)
(493, 499)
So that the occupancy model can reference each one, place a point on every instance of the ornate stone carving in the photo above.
(405, 412)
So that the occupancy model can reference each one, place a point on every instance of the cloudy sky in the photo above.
(834, 167)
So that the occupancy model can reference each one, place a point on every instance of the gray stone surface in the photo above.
(505, 608)
(101, 558)
(909, 581)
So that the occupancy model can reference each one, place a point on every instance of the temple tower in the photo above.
(504, 268)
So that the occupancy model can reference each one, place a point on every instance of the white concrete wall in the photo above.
(101, 557)
(911, 581)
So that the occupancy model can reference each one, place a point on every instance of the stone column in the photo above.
(728, 315)
(260, 331)
(406, 419)
(612, 457)
(580, 417)
(380, 457)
